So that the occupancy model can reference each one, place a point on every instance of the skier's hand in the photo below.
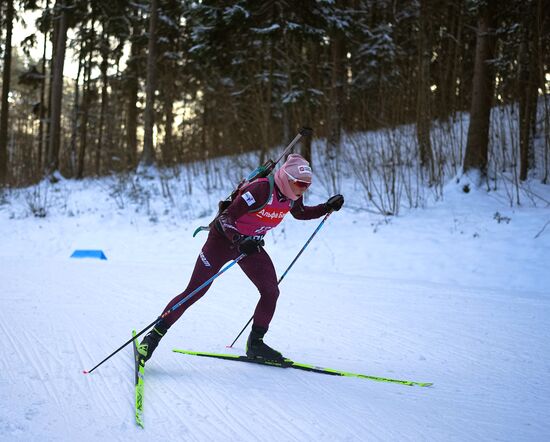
(249, 245)
(335, 203)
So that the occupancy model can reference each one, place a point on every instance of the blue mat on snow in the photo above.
(98, 254)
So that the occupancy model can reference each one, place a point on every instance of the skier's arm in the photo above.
(299, 211)
(252, 198)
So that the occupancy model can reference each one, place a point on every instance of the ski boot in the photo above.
(257, 349)
(151, 340)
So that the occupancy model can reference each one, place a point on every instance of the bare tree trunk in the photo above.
(541, 22)
(476, 156)
(48, 109)
(309, 52)
(204, 121)
(423, 105)
(168, 104)
(444, 53)
(5, 91)
(104, 98)
(76, 113)
(42, 102)
(528, 85)
(453, 106)
(132, 112)
(334, 117)
(286, 122)
(266, 123)
(57, 91)
(148, 156)
(131, 125)
(335, 109)
(85, 111)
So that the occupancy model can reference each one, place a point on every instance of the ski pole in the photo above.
(304, 131)
(173, 308)
(286, 271)
(265, 169)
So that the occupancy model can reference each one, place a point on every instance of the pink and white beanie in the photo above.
(296, 166)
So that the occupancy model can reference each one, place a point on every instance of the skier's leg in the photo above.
(214, 254)
(260, 270)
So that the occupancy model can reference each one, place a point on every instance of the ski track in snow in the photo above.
(383, 308)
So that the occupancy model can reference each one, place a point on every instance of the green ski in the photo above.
(139, 370)
(288, 363)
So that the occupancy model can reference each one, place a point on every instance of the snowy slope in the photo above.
(447, 295)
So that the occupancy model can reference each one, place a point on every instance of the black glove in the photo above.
(335, 202)
(249, 245)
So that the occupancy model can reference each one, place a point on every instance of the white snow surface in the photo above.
(445, 294)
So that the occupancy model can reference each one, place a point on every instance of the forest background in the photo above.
(169, 82)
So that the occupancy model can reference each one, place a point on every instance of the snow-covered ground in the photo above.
(454, 294)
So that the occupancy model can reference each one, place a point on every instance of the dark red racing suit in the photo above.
(238, 220)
